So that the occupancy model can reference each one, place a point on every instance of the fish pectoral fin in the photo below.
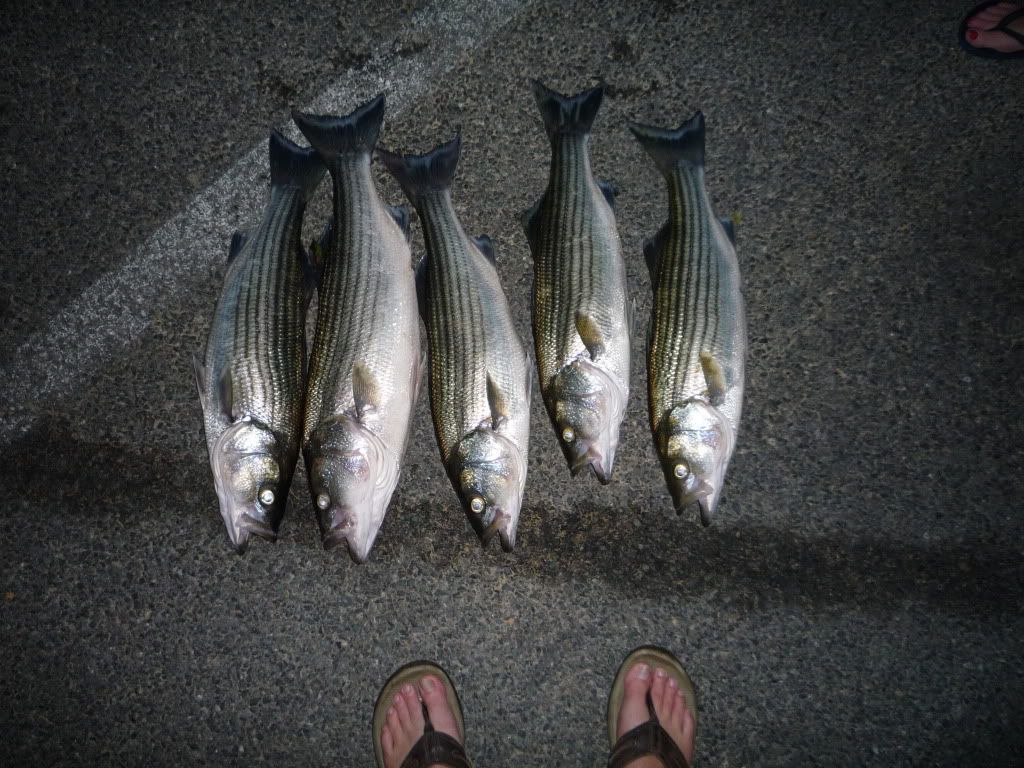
(485, 245)
(590, 335)
(714, 375)
(365, 391)
(610, 192)
(421, 372)
(200, 373)
(237, 244)
(653, 247)
(530, 219)
(497, 402)
(226, 395)
(729, 225)
(400, 213)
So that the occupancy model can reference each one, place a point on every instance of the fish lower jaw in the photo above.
(345, 535)
(242, 530)
(596, 467)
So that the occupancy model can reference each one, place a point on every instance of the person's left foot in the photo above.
(982, 33)
(404, 724)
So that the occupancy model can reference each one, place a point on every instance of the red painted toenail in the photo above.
(972, 34)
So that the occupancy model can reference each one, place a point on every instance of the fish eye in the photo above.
(568, 434)
(477, 504)
(681, 470)
(266, 497)
(323, 501)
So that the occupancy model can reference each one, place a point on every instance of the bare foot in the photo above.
(669, 704)
(404, 724)
(981, 29)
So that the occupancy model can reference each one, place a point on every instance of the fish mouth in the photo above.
(596, 463)
(706, 499)
(502, 528)
(245, 527)
(340, 530)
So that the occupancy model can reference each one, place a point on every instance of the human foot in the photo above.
(669, 706)
(404, 724)
(982, 32)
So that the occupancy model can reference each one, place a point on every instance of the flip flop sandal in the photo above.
(433, 746)
(647, 739)
(1003, 26)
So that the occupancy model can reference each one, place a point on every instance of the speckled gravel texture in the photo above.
(858, 598)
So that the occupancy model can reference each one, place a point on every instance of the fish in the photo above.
(365, 362)
(251, 378)
(697, 341)
(582, 321)
(480, 376)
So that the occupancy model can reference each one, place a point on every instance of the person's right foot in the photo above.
(982, 33)
(669, 705)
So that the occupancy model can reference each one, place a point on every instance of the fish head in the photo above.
(351, 477)
(488, 472)
(694, 443)
(586, 407)
(247, 462)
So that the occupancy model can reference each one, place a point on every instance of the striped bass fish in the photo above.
(479, 374)
(698, 335)
(365, 363)
(581, 317)
(251, 381)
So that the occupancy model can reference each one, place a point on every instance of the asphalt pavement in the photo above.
(858, 597)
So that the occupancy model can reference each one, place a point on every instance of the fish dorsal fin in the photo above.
(422, 287)
(486, 246)
(497, 402)
(400, 213)
(590, 335)
(610, 192)
(226, 395)
(652, 253)
(237, 244)
(715, 378)
(530, 219)
(365, 391)
(730, 228)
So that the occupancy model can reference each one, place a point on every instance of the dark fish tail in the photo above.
(567, 114)
(420, 174)
(294, 166)
(356, 132)
(670, 148)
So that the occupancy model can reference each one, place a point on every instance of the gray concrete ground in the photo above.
(858, 598)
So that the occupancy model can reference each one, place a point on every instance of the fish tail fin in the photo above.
(567, 114)
(356, 132)
(673, 148)
(294, 166)
(420, 174)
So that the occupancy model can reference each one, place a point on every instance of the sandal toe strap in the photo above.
(647, 739)
(435, 747)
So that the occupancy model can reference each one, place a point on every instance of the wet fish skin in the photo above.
(250, 379)
(479, 373)
(581, 315)
(365, 362)
(697, 344)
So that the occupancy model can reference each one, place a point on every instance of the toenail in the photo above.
(660, 672)
(672, 682)
(428, 684)
(643, 671)
(406, 688)
(397, 698)
(972, 34)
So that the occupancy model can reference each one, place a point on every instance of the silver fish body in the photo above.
(698, 335)
(251, 379)
(365, 362)
(581, 311)
(480, 377)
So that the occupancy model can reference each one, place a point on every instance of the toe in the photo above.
(441, 716)
(387, 740)
(413, 710)
(634, 699)
(658, 688)
(689, 735)
(997, 41)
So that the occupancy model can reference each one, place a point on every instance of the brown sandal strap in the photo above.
(435, 747)
(647, 739)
